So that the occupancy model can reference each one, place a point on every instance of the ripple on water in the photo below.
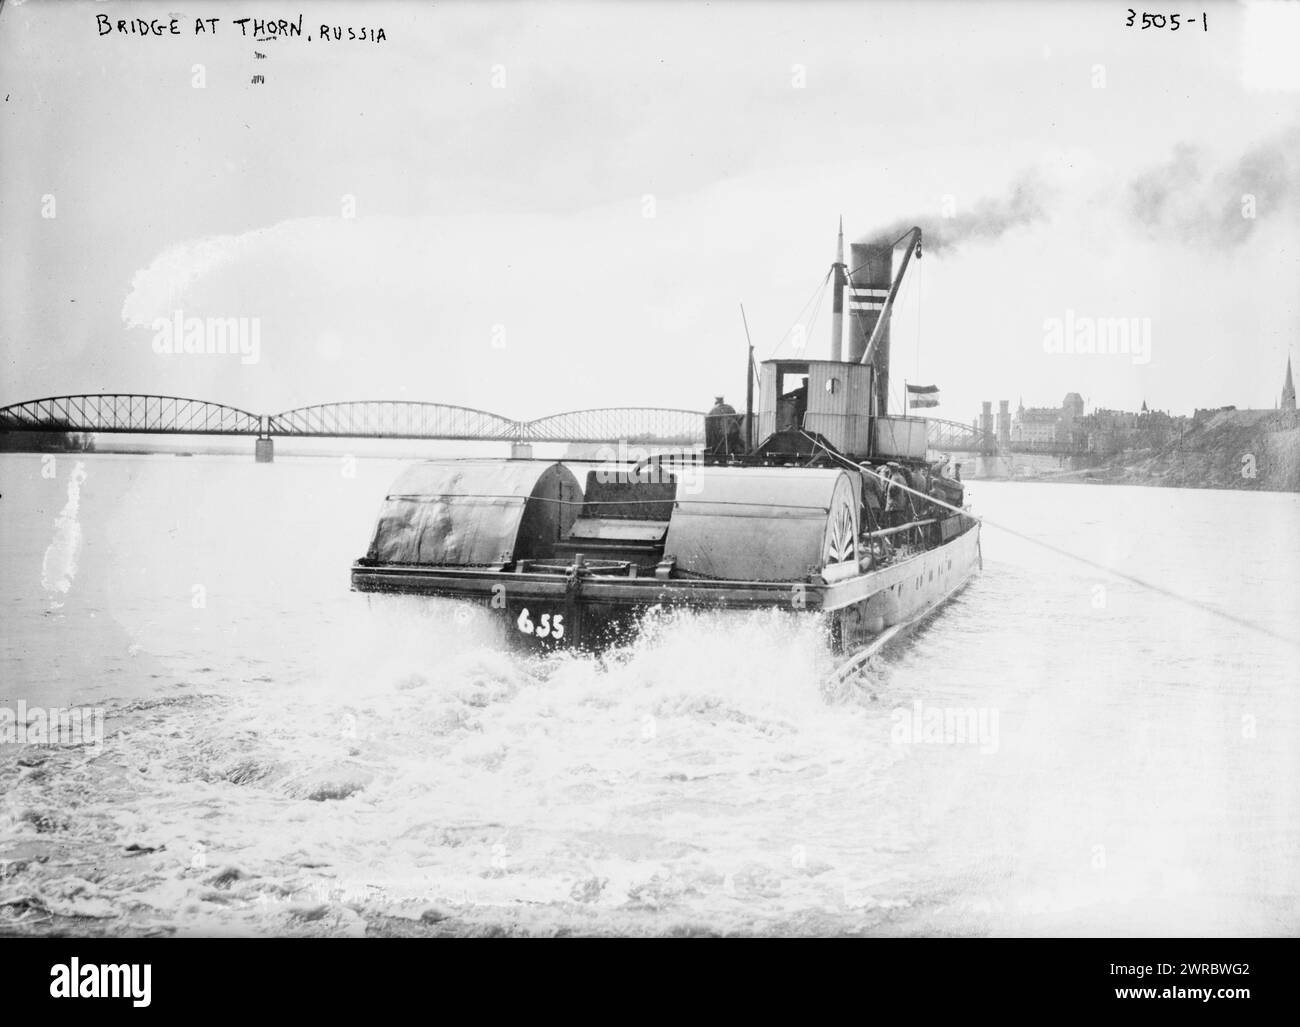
(340, 764)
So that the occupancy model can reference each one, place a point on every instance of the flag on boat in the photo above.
(923, 396)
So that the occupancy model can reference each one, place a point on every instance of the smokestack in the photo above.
(837, 305)
(870, 277)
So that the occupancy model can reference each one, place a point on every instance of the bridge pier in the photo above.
(521, 451)
(264, 450)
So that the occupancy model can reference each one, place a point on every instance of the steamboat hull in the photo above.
(838, 513)
(577, 608)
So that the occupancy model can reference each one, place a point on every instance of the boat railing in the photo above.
(885, 532)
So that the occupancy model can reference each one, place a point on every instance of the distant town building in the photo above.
(1285, 407)
(1104, 431)
(1050, 426)
(1112, 430)
(1004, 422)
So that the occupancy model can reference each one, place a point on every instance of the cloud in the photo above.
(173, 276)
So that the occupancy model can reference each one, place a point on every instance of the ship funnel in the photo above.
(870, 276)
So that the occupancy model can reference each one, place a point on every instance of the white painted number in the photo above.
(550, 627)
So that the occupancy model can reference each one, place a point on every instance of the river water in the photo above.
(282, 756)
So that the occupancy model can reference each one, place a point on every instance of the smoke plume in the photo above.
(1185, 199)
(1026, 203)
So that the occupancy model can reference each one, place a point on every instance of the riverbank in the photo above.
(1250, 450)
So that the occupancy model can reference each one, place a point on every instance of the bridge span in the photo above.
(121, 413)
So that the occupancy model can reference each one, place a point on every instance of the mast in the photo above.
(838, 271)
(749, 386)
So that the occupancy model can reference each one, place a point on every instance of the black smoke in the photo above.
(1028, 201)
(1186, 199)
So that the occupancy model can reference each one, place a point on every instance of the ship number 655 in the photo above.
(549, 627)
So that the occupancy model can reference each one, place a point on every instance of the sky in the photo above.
(529, 208)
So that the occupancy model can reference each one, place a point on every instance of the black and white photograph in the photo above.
(627, 470)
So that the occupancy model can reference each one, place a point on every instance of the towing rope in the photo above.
(623, 502)
(863, 469)
(1131, 578)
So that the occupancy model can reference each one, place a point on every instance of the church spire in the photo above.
(1288, 389)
